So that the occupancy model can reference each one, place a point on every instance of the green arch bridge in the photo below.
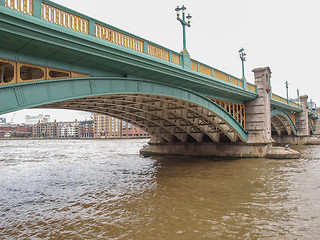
(54, 57)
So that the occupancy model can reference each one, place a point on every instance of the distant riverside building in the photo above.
(102, 126)
(86, 129)
(12, 131)
(129, 130)
(35, 119)
(57, 130)
(106, 126)
(68, 130)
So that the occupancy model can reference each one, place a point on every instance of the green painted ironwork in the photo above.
(242, 55)
(287, 91)
(312, 129)
(184, 23)
(32, 94)
(37, 8)
(50, 45)
(276, 112)
(46, 44)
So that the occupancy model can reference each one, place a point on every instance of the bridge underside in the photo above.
(168, 113)
(282, 124)
(166, 118)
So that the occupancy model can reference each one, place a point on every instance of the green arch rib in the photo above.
(276, 112)
(32, 94)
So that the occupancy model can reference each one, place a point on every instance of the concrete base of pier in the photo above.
(303, 140)
(233, 150)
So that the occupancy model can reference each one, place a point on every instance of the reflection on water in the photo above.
(102, 189)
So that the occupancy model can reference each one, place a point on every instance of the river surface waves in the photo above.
(103, 189)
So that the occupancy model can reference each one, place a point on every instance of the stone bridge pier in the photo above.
(258, 119)
(302, 118)
(317, 124)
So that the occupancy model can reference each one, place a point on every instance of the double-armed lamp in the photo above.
(184, 22)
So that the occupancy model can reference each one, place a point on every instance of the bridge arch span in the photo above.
(169, 113)
(282, 124)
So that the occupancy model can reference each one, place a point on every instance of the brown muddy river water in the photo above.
(103, 189)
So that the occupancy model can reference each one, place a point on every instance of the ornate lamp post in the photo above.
(287, 90)
(184, 23)
(242, 55)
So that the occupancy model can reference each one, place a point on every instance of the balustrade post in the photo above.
(92, 28)
(244, 83)
(145, 47)
(186, 60)
(37, 8)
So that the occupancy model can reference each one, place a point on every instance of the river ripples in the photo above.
(102, 189)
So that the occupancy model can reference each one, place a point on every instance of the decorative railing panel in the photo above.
(25, 6)
(221, 76)
(251, 87)
(194, 66)
(278, 98)
(205, 70)
(118, 38)
(158, 52)
(294, 104)
(234, 81)
(65, 19)
(176, 58)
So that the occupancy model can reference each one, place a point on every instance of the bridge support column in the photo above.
(316, 123)
(258, 111)
(302, 118)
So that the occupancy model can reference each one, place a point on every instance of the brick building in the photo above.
(106, 126)
(129, 130)
(86, 129)
(12, 131)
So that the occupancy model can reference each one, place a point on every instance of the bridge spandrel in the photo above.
(16, 72)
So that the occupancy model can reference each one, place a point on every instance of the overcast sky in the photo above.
(281, 34)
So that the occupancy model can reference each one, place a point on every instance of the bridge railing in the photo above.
(25, 6)
(60, 15)
(218, 74)
(285, 101)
